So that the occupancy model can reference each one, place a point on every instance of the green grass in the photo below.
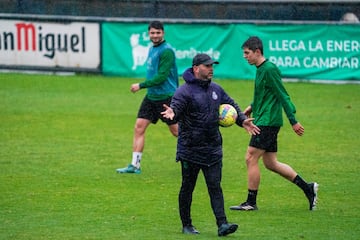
(63, 137)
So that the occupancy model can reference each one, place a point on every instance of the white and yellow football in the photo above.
(227, 115)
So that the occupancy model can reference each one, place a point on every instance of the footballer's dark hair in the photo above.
(253, 43)
(156, 25)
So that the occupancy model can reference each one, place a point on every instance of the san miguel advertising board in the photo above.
(53, 45)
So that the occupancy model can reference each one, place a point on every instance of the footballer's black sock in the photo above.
(252, 196)
(302, 184)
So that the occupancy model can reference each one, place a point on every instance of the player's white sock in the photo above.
(136, 159)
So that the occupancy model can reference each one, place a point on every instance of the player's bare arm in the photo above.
(135, 87)
(298, 129)
(248, 111)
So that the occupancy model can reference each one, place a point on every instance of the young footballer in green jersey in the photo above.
(270, 97)
(161, 83)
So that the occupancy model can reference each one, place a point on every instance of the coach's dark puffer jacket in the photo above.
(196, 106)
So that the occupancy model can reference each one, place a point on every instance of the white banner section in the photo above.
(44, 44)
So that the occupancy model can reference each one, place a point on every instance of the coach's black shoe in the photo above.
(226, 229)
(312, 196)
(190, 230)
(245, 206)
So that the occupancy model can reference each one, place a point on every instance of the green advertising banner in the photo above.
(307, 51)
(328, 52)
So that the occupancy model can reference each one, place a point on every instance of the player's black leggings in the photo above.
(212, 174)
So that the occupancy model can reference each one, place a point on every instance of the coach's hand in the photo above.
(168, 113)
(250, 127)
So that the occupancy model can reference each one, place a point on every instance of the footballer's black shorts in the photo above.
(266, 140)
(151, 110)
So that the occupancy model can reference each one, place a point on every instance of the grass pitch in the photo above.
(63, 137)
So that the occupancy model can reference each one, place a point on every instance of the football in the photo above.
(227, 115)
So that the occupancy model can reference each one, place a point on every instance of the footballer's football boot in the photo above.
(129, 169)
(245, 206)
(314, 187)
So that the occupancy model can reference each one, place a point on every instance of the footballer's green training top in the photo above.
(270, 97)
(162, 77)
